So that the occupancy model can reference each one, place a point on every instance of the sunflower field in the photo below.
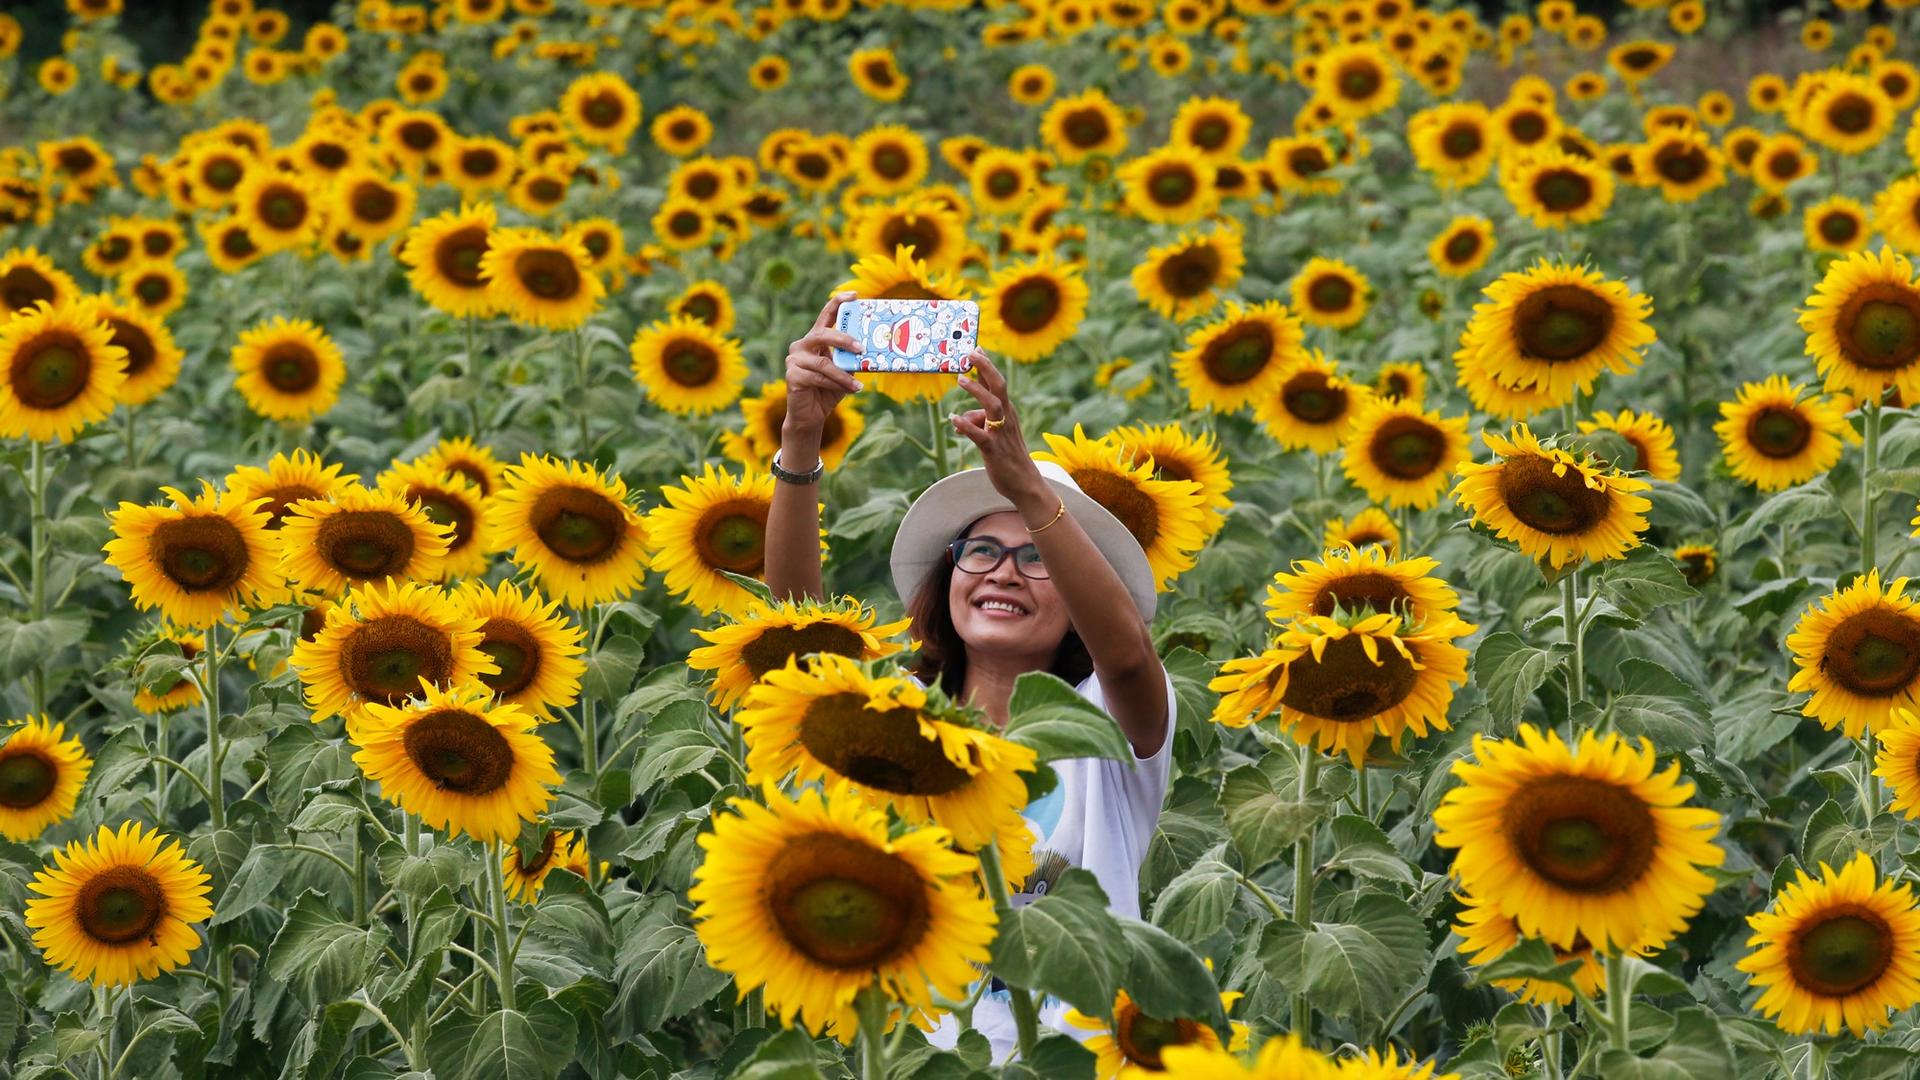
(1516, 407)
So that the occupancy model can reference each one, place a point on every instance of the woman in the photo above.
(1005, 569)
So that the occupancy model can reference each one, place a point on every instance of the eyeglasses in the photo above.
(983, 555)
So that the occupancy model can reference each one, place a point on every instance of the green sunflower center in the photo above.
(1581, 835)
(222, 174)
(891, 162)
(1562, 322)
(1874, 653)
(1879, 328)
(283, 209)
(1031, 305)
(1845, 951)
(845, 904)
(1238, 353)
(578, 525)
(27, 778)
(51, 371)
(119, 905)
(880, 749)
(1560, 505)
(1173, 185)
(1839, 228)
(199, 554)
(385, 658)
(1330, 293)
(733, 537)
(1360, 81)
(514, 650)
(459, 751)
(290, 367)
(1779, 432)
(1210, 133)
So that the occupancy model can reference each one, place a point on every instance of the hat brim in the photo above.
(955, 501)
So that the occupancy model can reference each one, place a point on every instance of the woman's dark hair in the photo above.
(943, 656)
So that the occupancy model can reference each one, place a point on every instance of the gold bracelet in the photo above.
(1057, 515)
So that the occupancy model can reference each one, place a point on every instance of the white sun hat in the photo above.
(954, 502)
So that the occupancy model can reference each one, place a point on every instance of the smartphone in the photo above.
(909, 335)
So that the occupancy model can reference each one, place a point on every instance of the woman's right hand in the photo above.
(814, 385)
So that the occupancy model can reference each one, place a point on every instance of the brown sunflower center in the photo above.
(1210, 132)
(1563, 191)
(689, 362)
(1680, 163)
(685, 223)
(374, 203)
(701, 308)
(1839, 227)
(1368, 589)
(365, 545)
(329, 156)
(1851, 113)
(922, 234)
(880, 73)
(1527, 127)
(479, 162)
(548, 843)
(1560, 505)
(1563, 322)
(1639, 59)
(578, 525)
(777, 644)
(200, 554)
(1696, 567)
(1310, 397)
(27, 778)
(281, 499)
(283, 208)
(1344, 685)
(1189, 272)
(237, 243)
(515, 651)
(732, 536)
(153, 289)
(1124, 500)
(546, 189)
(1238, 353)
(222, 174)
(1172, 184)
(50, 370)
(547, 274)
(75, 160)
(1030, 305)
(1141, 1037)
(419, 135)
(115, 249)
(891, 161)
(1784, 164)
(290, 367)
(882, 749)
(1331, 293)
(1462, 247)
(1360, 80)
(1875, 653)
(138, 344)
(1086, 128)
(385, 658)
(1879, 326)
(446, 508)
(1846, 950)
(1778, 431)
(845, 904)
(457, 255)
(459, 751)
(1582, 835)
(119, 905)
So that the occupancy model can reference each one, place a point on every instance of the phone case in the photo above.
(909, 335)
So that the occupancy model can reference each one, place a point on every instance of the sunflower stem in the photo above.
(1869, 782)
(938, 439)
(580, 354)
(1550, 1042)
(1817, 1052)
(210, 691)
(1870, 461)
(872, 1004)
(473, 386)
(133, 457)
(1303, 885)
(1619, 1003)
(1026, 1019)
(1570, 625)
(37, 560)
(502, 941)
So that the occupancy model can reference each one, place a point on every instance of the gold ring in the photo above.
(995, 425)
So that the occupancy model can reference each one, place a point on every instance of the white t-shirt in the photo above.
(1099, 817)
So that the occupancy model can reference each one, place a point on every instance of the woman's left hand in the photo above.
(995, 429)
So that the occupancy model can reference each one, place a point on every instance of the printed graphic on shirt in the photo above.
(1043, 815)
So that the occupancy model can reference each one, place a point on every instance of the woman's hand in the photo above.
(814, 385)
(995, 429)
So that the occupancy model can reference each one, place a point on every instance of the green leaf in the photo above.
(1808, 502)
(660, 968)
(322, 955)
(1659, 705)
(752, 585)
(787, 1056)
(1062, 1057)
(1695, 1047)
(25, 646)
(1643, 581)
(1066, 943)
(1362, 849)
(611, 668)
(327, 814)
(1194, 906)
(1048, 717)
(444, 865)
(252, 884)
(323, 1040)
(1531, 959)
(1262, 821)
(882, 511)
(1166, 978)
(1508, 671)
(1831, 838)
(533, 1042)
(300, 761)
(436, 925)
(670, 755)
(1361, 968)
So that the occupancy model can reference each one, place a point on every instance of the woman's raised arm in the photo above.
(814, 389)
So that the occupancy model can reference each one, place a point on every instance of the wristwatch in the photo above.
(819, 470)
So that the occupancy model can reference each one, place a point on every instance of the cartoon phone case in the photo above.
(909, 335)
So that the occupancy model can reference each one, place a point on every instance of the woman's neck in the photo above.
(989, 683)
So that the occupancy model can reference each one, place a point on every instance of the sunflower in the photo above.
(1002, 181)
(716, 522)
(1650, 438)
(932, 230)
(198, 559)
(112, 251)
(1176, 455)
(452, 502)
(1171, 185)
(1838, 953)
(281, 210)
(1863, 325)
(1331, 293)
(288, 370)
(382, 645)
(152, 357)
(572, 528)
(475, 165)
(63, 370)
(1555, 327)
(766, 636)
(41, 774)
(707, 302)
(1368, 528)
(230, 245)
(681, 130)
(371, 206)
(1130, 1047)
(287, 480)
(1486, 934)
(1837, 224)
(540, 279)
(765, 416)
(877, 74)
(1462, 247)
(1299, 163)
(1525, 127)
(1848, 114)
(28, 278)
(1635, 60)
(770, 72)
(534, 647)
(1554, 189)
(1240, 358)
(810, 901)
(1084, 125)
(461, 761)
(687, 367)
(602, 110)
(1356, 580)
(1858, 652)
(1337, 681)
(1214, 126)
(119, 907)
(1683, 162)
(1552, 505)
(1310, 407)
(1582, 843)
(1031, 307)
(560, 849)
(1402, 455)
(444, 254)
(1775, 436)
(1781, 160)
(890, 159)
(359, 536)
(1167, 517)
(1896, 214)
(157, 288)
